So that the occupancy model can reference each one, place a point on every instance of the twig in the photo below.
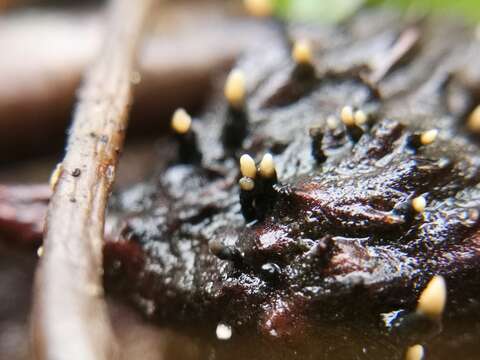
(69, 318)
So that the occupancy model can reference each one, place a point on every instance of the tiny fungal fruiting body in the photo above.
(347, 203)
(415, 352)
(419, 204)
(474, 120)
(181, 124)
(433, 298)
(347, 115)
(302, 52)
(353, 120)
(248, 170)
(304, 73)
(428, 137)
(360, 117)
(332, 122)
(235, 89)
(260, 8)
(40, 251)
(236, 124)
(267, 167)
(181, 121)
(247, 166)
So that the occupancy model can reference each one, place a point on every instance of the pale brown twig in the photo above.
(69, 318)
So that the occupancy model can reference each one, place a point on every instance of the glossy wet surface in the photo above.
(335, 243)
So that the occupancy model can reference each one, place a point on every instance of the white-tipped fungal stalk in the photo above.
(428, 137)
(235, 88)
(302, 52)
(433, 298)
(247, 166)
(267, 166)
(360, 117)
(346, 114)
(419, 204)
(181, 121)
(474, 120)
(415, 352)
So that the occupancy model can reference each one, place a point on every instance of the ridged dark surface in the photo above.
(337, 244)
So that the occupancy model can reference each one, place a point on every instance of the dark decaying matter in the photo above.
(368, 186)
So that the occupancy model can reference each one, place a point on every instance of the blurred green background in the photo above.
(336, 10)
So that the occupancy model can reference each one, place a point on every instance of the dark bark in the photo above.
(336, 240)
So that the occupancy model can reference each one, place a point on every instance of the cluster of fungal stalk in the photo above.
(257, 182)
(355, 120)
(256, 186)
(353, 117)
(236, 129)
